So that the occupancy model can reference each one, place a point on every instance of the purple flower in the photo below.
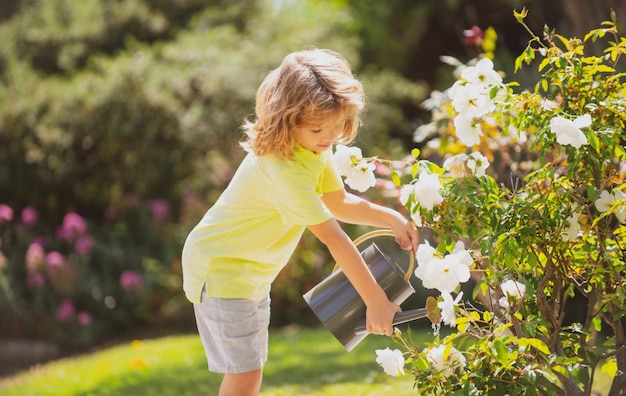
(55, 259)
(35, 256)
(84, 244)
(131, 281)
(160, 209)
(35, 280)
(66, 311)
(73, 227)
(84, 318)
(6, 213)
(29, 216)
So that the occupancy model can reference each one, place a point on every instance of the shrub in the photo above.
(536, 245)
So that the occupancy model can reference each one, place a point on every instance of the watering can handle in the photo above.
(385, 232)
(401, 317)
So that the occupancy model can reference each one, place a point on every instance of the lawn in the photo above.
(302, 362)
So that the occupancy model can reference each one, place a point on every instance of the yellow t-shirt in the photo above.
(248, 236)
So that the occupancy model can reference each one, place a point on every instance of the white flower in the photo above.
(512, 290)
(424, 253)
(435, 101)
(571, 233)
(362, 176)
(424, 131)
(468, 130)
(358, 172)
(446, 361)
(392, 362)
(471, 100)
(482, 73)
(477, 163)
(606, 200)
(447, 306)
(620, 213)
(405, 193)
(547, 104)
(426, 190)
(568, 132)
(462, 255)
(463, 165)
(345, 158)
(443, 274)
(457, 166)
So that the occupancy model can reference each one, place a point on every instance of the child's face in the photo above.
(319, 135)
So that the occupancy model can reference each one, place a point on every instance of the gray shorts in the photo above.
(234, 333)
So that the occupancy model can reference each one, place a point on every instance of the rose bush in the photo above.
(533, 185)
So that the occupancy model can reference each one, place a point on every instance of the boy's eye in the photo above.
(316, 130)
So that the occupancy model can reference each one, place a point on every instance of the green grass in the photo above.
(301, 362)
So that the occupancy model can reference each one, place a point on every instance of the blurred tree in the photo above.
(8, 8)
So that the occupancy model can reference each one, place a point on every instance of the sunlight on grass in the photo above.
(302, 362)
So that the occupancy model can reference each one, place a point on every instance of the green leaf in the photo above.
(518, 62)
(535, 343)
(597, 323)
(605, 69)
(519, 16)
(487, 315)
(594, 141)
(395, 178)
(543, 64)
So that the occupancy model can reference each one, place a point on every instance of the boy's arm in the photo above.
(351, 209)
(380, 311)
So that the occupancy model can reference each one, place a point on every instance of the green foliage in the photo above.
(557, 231)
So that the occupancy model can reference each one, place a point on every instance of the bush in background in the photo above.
(123, 118)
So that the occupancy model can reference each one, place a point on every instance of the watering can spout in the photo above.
(401, 317)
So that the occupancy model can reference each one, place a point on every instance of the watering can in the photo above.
(340, 308)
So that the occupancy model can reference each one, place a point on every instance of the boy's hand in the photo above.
(406, 234)
(379, 317)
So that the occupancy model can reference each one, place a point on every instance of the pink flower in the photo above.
(29, 216)
(66, 311)
(84, 244)
(55, 259)
(36, 257)
(6, 213)
(474, 36)
(73, 227)
(35, 280)
(382, 169)
(84, 318)
(131, 281)
(160, 209)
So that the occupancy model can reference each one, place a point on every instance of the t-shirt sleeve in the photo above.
(331, 181)
(296, 199)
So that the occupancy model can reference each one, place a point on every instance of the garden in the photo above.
(120, 129)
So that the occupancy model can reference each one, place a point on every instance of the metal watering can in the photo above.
(339, 307)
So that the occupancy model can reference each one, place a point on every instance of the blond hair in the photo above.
(307, 86)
